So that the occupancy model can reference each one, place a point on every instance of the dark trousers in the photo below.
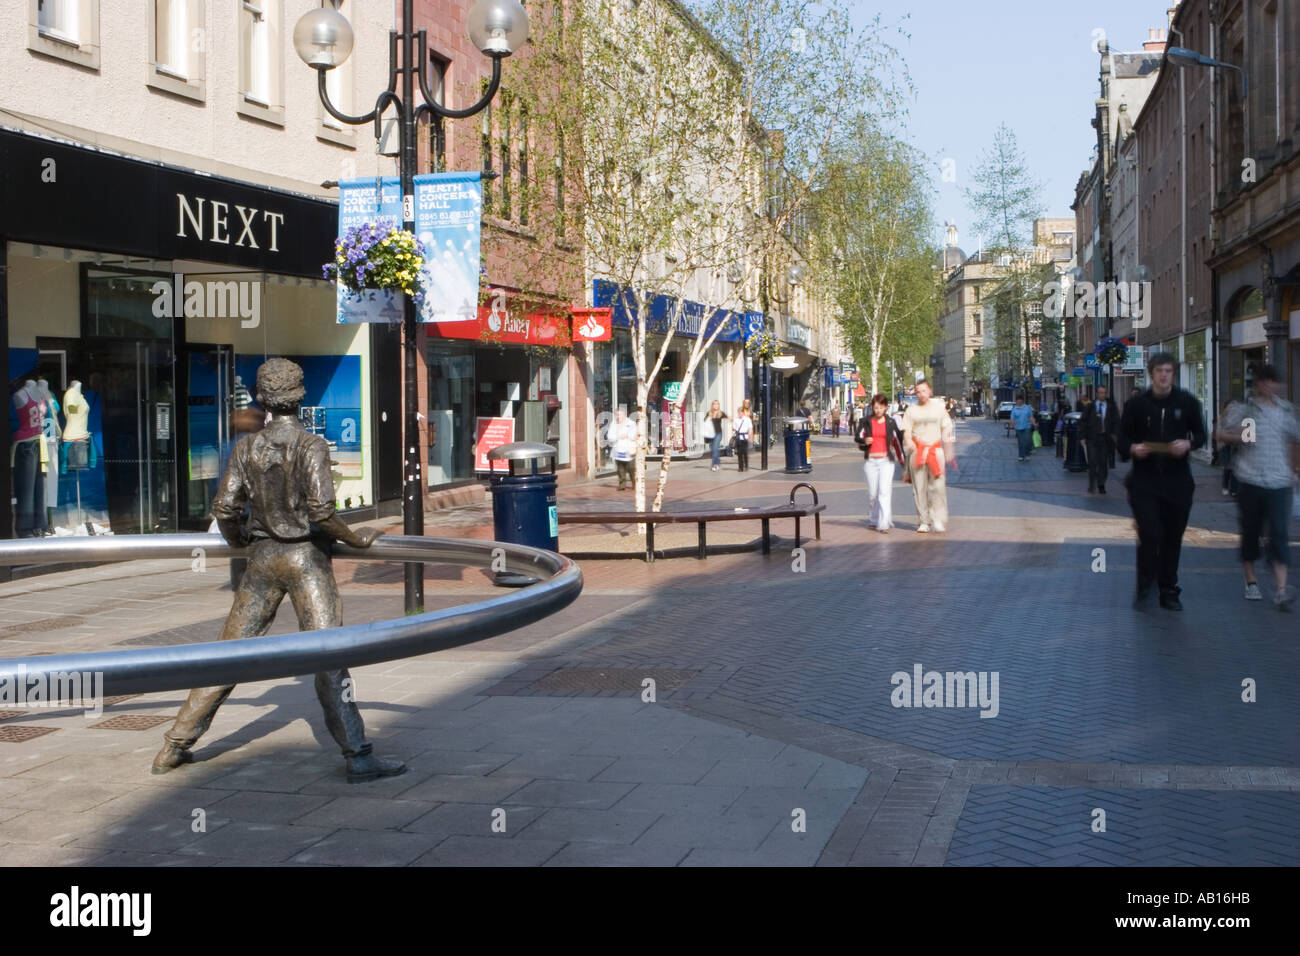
(1025, 441)
(742, 454)
(29, 489)
(1161, 520)
(624, 473)
(1260, 510)
(1098, 463)
(835, 428)
(302, 571)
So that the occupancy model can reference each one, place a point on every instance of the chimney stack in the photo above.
(1155, 41)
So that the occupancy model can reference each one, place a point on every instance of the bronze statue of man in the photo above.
(277, 499)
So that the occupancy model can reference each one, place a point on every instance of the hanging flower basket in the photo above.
(1111, 351)
(376, 264)
(764, 346)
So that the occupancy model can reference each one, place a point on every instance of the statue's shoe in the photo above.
(171, 757)
(363, 769)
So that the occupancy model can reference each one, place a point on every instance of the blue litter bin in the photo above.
(798, 446)
(1074, 456)
(523, 503)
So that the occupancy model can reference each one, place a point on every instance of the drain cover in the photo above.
(11, 714)
(130, 722)
(110, 701)
(627, 679)
(17, 734)
(46, 624)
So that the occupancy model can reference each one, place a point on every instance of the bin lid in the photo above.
(521, 451)
(796, 421)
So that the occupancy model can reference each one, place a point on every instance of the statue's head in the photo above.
(279, 385)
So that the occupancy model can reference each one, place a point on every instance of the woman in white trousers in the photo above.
(882, 446)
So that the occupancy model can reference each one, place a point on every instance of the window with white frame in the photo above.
(178, 46)
(261, 68)
(65, 29)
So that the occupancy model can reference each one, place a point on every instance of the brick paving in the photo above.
(773, 737)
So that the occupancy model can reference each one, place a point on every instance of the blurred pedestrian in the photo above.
(1098, 428)
(1023, 421)
(882, 445)
(1263, 431)
(928, 441)
(713, 428)
(744, 428)
(835, 420)
(624, 440)
(1157, 430)
(1225, 454)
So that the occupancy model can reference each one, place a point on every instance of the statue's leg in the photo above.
(259, 595)
(316, 599)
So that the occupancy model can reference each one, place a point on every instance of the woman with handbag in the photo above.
(882, 445)
(744, 433)
(713, 432)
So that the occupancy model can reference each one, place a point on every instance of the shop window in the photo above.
(261, 67)
(437, 129)
(177, 47)
(65, 29)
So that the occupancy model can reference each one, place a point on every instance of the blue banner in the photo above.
(448, 221)
(694, 319)
(362, 201)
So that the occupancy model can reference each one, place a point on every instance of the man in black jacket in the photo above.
(1158, 430)
(1099, 424)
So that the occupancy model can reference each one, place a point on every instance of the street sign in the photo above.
(672, 391)
(1038, 371)
(1090, 361)
(1134, 361)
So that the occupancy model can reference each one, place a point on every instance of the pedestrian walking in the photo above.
(713, 428)
(1023, 421)
(744, 433)
(882, 445)
(1098, 428)
(1157, 431)
(1264, 432)
(624, 442)
(928, 441)
(835, 420)
(1225, 455)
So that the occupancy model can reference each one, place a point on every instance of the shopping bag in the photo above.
(1038, 439)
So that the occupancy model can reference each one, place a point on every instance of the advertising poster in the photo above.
(448, 214)
(488, 434)
(362, 201)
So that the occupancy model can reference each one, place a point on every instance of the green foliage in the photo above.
(1005, 196)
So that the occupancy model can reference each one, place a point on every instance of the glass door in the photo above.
(208, 441)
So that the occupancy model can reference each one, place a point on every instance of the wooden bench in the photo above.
(701, 518)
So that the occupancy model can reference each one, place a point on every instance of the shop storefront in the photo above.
(140, 300)
(718, 376)
(1248, 344)
(505, 373)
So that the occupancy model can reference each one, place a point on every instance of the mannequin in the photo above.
(76, 439)
(27, 456)
(52, 433)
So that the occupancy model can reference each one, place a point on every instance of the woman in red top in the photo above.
(882, 446)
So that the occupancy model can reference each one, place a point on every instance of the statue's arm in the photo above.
(320, 501)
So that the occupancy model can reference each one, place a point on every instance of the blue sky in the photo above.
(1029, 63)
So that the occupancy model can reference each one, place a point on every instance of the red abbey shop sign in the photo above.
(510, 325)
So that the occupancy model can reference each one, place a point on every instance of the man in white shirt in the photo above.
(928, 440)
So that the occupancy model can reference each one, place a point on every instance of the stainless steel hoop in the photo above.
(147, 670)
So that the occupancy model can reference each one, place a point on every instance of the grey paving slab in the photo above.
(368, 848)
(590, 826)
(716, 831)
(674, 769)
(364, 813)
(609, 854)
(464, 788)
(489, 851)
(256, 842)
(679, 799)
(593, 794)
(555, 765)
(268, 807)
(475, 819)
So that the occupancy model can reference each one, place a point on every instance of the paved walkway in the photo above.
(773, 737)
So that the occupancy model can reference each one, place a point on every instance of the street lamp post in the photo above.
(323, 39)
(793, 276)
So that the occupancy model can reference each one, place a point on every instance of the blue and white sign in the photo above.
(1090, 361)
(362, 201)
(448, 222)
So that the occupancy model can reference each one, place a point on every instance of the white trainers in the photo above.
(1283, 597)
(938, 526)
(923, 529)
(1253, 593)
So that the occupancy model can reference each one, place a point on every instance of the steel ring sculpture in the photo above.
(148, 670)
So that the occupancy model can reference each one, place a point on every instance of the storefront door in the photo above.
(211, 379)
